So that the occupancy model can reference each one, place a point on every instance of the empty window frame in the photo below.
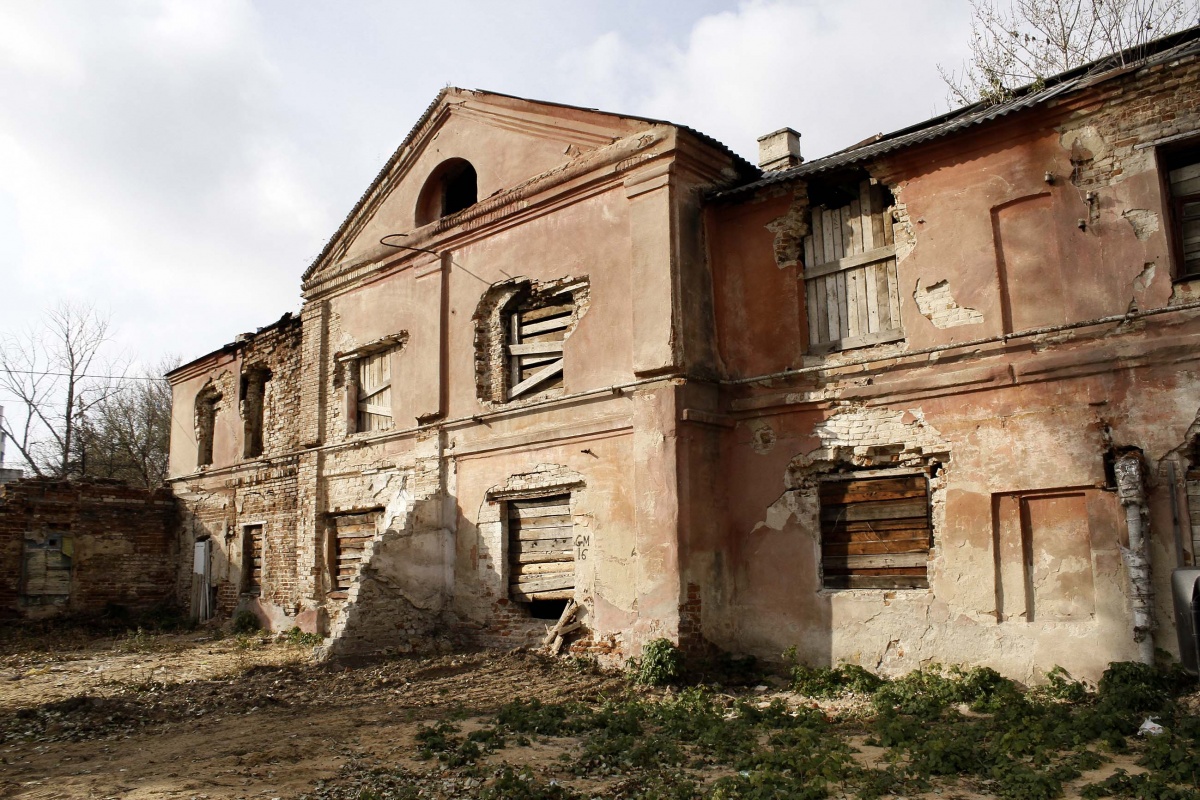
(46, 568)
(254, 399)
(207, 403)
(452, 187)
(875, 532)
(349, 534)
(850, 281)
(541, 551)
(374, 407)
(252, 559)
(534, 351)
(1183, 188)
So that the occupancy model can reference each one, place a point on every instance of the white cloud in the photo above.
(155, 174)
(837, 72)
(181, 161)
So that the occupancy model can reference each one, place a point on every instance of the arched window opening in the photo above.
(207, 404)
(452, 187)
(254, 399)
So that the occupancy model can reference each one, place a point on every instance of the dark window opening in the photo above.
(541, 554)
(452, 187)
(875, 532)
(1182, 178)
(254, 394)
(252, 559)
(207, 404)
(547, 609)
(461, 190)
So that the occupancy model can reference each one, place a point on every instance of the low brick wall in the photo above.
(76, 548)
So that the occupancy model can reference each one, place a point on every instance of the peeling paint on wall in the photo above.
(762, 437)
(1142, 282)
(902, 230)
(872, 437)
(937, 305)
(790, 230)
(1143, 221)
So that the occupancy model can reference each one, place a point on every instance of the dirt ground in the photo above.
(198, 716)
(188, 717)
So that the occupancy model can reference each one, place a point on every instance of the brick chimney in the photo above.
(779, 150)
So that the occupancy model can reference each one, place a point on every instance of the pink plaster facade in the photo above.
(1043, 335)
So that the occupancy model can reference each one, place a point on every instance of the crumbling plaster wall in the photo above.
(616, 459)
(399, 599)
(1034, 446)
(758, 281)
(1030, 214)
(220, 500)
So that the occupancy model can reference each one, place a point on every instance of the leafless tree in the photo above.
(1034, 39)
(56, 371)
(127, 434)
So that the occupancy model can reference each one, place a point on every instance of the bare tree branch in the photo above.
(1031, 40)
(50, 370)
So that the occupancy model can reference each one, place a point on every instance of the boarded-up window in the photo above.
(1183, 178)
(541, 553)
(875, 532)
(252, 558)
(535, 345)
(850, 281)
(47, 568)
(375, 392)
(349, 534)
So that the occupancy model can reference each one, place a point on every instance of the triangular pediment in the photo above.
(508, 141)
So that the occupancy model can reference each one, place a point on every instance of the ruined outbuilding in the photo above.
(85, 548)
(919, 400)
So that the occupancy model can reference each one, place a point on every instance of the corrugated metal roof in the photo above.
(1166, 49)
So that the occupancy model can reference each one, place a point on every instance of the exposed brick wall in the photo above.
(1159, 102)
(125, 549)
(278, 350)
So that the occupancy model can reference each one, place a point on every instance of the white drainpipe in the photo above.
(1131, 491)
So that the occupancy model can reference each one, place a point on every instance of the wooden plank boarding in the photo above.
(852, 326)
(541, 548)
(850, 262)
(875, 532)
(851, 292)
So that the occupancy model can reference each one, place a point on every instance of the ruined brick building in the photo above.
(921, 399)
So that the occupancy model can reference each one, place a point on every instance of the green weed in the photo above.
(661, 663)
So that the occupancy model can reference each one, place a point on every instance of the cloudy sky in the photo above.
(180, 163)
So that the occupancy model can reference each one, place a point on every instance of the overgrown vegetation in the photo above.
(661, 663)
(298, 637)
(938, 727)
(246, 622)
